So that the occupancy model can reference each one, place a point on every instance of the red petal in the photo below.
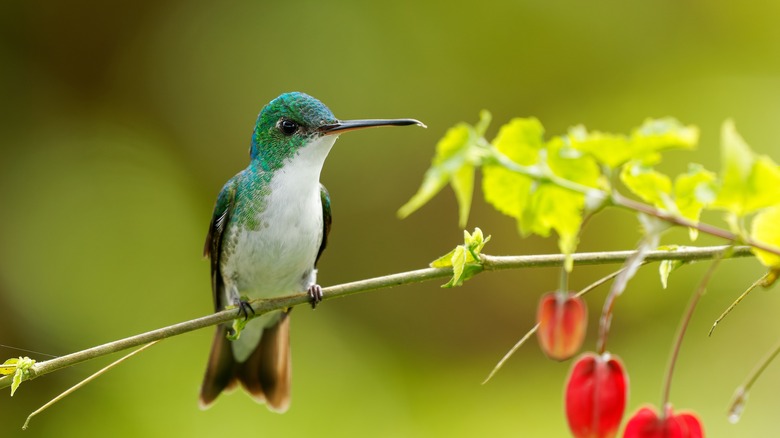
(643, 424)
(596, 396)
(563, 320)
(690, 425)
(646, 424)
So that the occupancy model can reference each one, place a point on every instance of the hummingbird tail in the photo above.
(220, 371)
(265, 375)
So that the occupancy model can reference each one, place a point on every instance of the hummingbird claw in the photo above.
(244, 308)
(315, 295)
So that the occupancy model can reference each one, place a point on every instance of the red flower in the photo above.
(646, 424)
(563, 319)
(596, 396)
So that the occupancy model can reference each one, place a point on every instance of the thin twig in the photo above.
(698, 293)
(741, 394)
(630, 204)
(84, 382)
(739, 299)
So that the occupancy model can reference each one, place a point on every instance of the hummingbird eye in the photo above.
(287, 126)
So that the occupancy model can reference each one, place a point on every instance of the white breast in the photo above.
(278, 258)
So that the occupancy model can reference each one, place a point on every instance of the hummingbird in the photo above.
(269, 228)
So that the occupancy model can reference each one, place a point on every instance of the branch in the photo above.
(489, 263)
(622, 201)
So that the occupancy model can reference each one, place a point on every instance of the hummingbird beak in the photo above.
(342, 126)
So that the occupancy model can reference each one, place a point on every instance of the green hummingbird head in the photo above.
(286, 124)
(295, 119)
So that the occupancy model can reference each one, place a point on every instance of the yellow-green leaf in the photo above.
(555, 208)
(572, 164)
(459, 259)
(475, 242)
(766, 229)
(8, 367)
(457, 154)
(505, 190)
(643, 145)
(609, 149)
(444, 261)
(508, 191)
(764, 184)
(656, 135)
(238, 327)
(454, 142)
(434, 180)
(650, 185)
(450, 157)
(463, 185)
(693, 191)
(464, 259)
(748, 182)
(666, 267)
(520, 140)
(22, 372)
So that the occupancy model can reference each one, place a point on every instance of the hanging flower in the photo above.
(645, 423)
(563, 320)
(596, 395)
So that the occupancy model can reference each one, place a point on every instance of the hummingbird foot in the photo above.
(234, 331)
(244, 308)
(315, 295)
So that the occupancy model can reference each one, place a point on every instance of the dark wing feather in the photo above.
(213, 247)
(326, 220)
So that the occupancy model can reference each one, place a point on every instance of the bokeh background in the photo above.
(120, 121)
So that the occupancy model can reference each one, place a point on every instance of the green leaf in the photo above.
(764, 184)
(459, 260)
(666, 267)
(505, 190)
(444, 261)
(521, 140)
(693, 191)
(562, 209)
(446, 162)
(508, 191)
(238, 323)
(457, 154)
(650, 185)
(572, 164)
(555, 208)
(462, 183)
(475, 242)
(8, 367)
(539, 205)
(238, 327)
(656, 135)
(464, 259)
(765, 229)
(609, 149)
(22, 372)
(484, 121)
(643, 145)
(748, 182)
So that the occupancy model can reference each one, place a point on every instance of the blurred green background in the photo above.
(121, 120)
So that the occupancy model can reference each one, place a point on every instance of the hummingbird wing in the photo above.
(220, 372)
(326, 220)
(212, 249)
